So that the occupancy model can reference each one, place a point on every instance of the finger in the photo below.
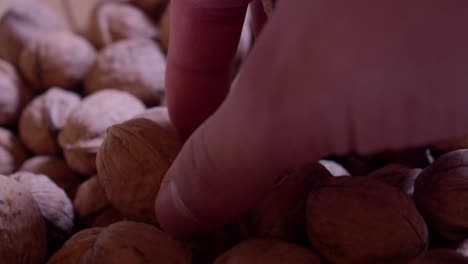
(204, 39)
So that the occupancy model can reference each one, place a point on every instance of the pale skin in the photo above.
(325, 76)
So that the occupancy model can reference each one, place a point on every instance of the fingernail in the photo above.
(173, 214)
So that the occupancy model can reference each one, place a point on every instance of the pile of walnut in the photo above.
(85, 142)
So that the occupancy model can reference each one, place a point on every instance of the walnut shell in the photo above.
(441, 196)
(399, 176)
(90, 200)
(117, 21)
(57, 170)
(258, 251)
(441, 256)
(23, 238)
(463, 248)
(108, 217)
(44, 117)
(133, 65)
(76, 246)
(22, 24)
(56, 58)
(160, 115)
(281, 213)
(85, 128)
(334, 168)
(132, 162)
(13, 94)
(123, 242)
(341, 213)
(12, 152)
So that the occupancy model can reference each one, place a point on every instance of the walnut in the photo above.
(12, 152)
(341, 213)
(258, 251)
(90, 200)
(441, 196)
(108, 217)
(23, 238)
(55, 206)
(22, 24)
(122, 242)
(441, 256)
(44, 117)
(56, 58)
(117, 21)
(399, 176)
(463, 248)
(86, 126)
(13, 94)
(57, 170)
(132, 162)
(133, 65)
(280, 214)
(334, 168)
(160, 115)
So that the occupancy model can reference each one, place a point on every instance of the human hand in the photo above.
(323, 77)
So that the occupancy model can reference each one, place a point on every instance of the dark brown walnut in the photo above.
(75, 247)
(90, 200)
(55, 206)
(334, 168)
(123, 242)
(44, 117)
(23, 235)
(132, 162)
(152, 7)
(86, 126)
(56, 58)
(57, 170)
(440, 192)
(398, 176)
(108, 217)
(281, 213)
(133, 65)
(113, 21)
(259, 251)
(12, 152)
(362, 220)
(14, 95)
(21, 24)
(441, 256)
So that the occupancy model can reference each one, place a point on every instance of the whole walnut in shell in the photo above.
(23, 23)
(362, 220)
(90, 200)
(57, 170)
(13, 94)
(281, 213)
(132, 162)
(23, 238)
(440, 192)
(12, 152)
(397, 175)
(55, 206)
(44, 117)
(56, 58)
(441, 256)
(259, 251)
(133, 65)
(86, 126)
(123, 242)
(117, 21)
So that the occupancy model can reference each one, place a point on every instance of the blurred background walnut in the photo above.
(117, 21)
(12, 152)
(135, 65)
(44, 118)
(56, 58)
